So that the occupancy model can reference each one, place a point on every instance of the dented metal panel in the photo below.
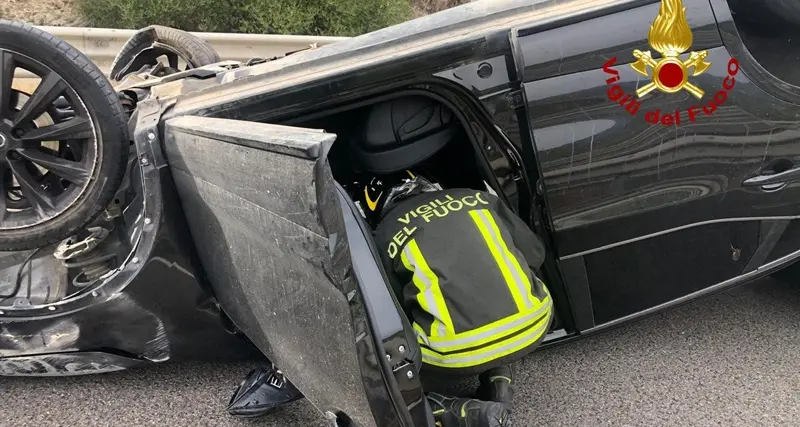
(65, 364)
(248, 190)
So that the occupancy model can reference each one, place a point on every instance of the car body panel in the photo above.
(546, 51)
(638, 216)
(263, 249)
(156, 307)
(276, 247)
(383, 59)
(654, 212)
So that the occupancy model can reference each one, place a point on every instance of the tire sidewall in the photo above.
(107, 119)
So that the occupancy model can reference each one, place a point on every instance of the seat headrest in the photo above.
(400, 133)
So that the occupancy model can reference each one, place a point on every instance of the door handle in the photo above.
(772, 179)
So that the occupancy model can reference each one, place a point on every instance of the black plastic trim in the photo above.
(386, 323)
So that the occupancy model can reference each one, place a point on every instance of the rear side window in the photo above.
(770, 30)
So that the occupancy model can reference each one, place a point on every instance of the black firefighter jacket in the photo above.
(462, 265)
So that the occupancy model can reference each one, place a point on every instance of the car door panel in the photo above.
(549, 50)
(601, 164)
(781, 238)
(650, 213)
(631, 278)
(390, 325)
(270, 230)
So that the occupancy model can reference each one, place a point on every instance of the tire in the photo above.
(196, 51)
(109, 132)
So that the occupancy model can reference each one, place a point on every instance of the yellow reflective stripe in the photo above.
(430, 296)
(517, 282)
(466, 361)
(503, 328)
(490, 353)
(497, 324)
(536, 299)
(422, 337)
(528, 289)
(421, 290)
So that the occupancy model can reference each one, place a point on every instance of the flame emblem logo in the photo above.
(671, 36)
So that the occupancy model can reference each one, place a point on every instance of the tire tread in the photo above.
(199, 51)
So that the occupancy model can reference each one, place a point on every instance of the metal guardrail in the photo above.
(101, 45)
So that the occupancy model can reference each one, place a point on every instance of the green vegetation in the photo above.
(309, 17)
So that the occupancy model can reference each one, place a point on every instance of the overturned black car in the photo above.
(196, 208)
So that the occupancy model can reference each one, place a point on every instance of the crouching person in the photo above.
(462, 264)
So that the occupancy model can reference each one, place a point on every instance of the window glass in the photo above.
(770, 30)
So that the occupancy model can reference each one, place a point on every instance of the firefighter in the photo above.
(462, 263)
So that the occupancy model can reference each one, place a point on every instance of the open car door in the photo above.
(294, 267)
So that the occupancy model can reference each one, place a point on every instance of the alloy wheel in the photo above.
(48, 145)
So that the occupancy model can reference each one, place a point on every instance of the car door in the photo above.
(290, 262)
(653, 200)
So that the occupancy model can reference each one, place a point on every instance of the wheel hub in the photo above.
(37, 181)
(8, 142)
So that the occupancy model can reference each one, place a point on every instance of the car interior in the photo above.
(428, 140)
(435, 150)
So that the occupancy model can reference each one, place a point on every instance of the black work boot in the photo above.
(496, 386)
(453, 412)
(262, 391)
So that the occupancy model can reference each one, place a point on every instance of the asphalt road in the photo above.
(728, 360)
